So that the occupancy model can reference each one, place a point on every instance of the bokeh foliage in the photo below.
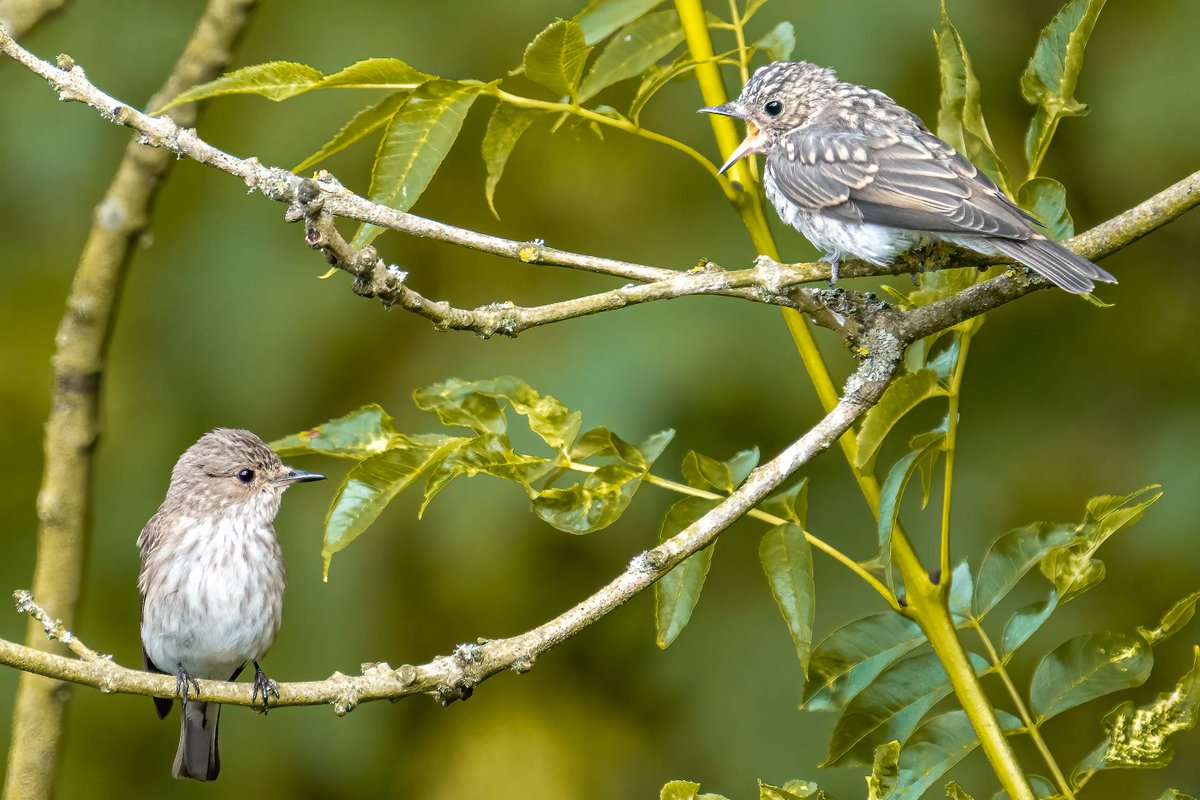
(232, 384)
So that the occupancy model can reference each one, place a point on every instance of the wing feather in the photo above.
(915, 182)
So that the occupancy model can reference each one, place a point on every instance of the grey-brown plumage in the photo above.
(212, 580)
(861, 176)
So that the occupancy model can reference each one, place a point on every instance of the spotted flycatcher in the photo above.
(212, 580)
(861, 176)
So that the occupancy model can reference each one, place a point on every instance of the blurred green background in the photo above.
(224, 323)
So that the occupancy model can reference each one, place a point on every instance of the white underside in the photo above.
(876, 244)
(218, 601)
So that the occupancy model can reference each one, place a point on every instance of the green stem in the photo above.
(964, 344)
(927, 602)
(770, 519)
(620, 123)
(929, 608)
(1022, 711)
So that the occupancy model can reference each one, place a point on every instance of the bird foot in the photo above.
(184, 682)
(832, 259)
(264, 687)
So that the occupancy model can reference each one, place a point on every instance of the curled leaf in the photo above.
(1139, 738)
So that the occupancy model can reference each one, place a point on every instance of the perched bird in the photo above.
(212, 580)
(861, 176)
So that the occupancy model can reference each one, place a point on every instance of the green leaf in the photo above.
(702, 472)
(1042, 788)
(1026, 622)
(849, 659)
(787, 561)
(676, 595)
(376, 73)
(275, 80)
(679, 790)
(1173, 621)
(1140, 738)
(361, 125)
(955, 792)
(371, 485)
(605, 494)
(478, 405)
(1046, 199)
(884, 772)
(791, 503)
(504, 128)
(779, 42)
(1010, 557)
(602, 17)
(935, 747)
(358, 435)
(488, 454)
(1175, 794)
(654, 79)
(417, 138)
(1087, 667)
(1050, 78)
(961, 589)
(960, 116)
(556, 56)
(893, 493)
(890, 708)
(905, 393)
(635, 48)
(1071, 566)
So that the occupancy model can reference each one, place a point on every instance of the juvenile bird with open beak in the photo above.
(212, 580)
(861, 176)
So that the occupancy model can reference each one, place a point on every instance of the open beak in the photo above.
(299, 476)
(753, 136)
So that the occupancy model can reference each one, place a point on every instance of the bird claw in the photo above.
(182, 682)
(833, 260)
(264, 687)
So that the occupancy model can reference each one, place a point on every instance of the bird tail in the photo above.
(1065, 269)
(197, 756)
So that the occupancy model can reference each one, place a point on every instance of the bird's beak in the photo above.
(730, 109)
(299, 476)
(753, 136)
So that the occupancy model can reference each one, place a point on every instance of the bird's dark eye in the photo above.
(773, 108)
(246, 475)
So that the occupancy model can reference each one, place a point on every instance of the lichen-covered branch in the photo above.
(73, 428)
(454, 677)
(376, 278)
